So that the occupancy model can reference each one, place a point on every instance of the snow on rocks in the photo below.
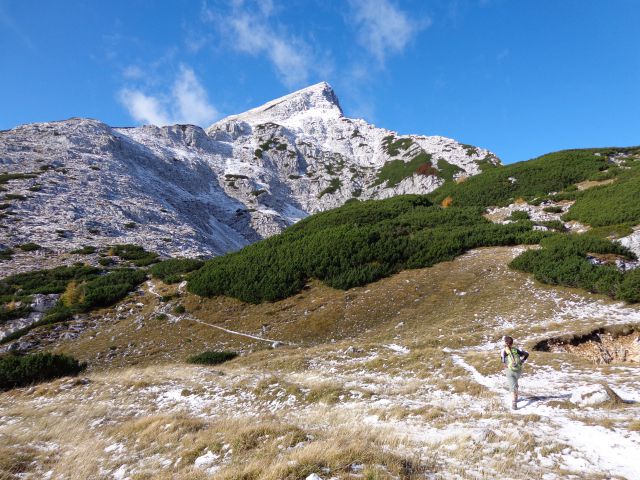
(314, 476)
(593, 395)
(206, 460)
(397, 348)
(632, 242)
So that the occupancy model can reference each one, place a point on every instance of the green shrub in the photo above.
(212, 357)
(54, 280)
(14, 196)
(556, 225)
(18, 371)
(29, 247)
(93, 291)
(171, 271)
(534, 178)
(552, 209)
(334, 185)
(179, 309)
(563, 261)
(394, 147)
(5, 177)
(630, 286)
(519, 215)
(106, 262)
(394, 171)
(131, 225)
(108, 289)
(611, 204)
(617, 231)
(134, 253)
(447, 170)
(6, 254)
(85, 250)
(7, 313)
(355, 244)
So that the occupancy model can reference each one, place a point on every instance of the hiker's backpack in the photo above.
(514, 363)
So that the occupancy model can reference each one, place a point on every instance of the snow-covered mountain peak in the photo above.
(313, 101)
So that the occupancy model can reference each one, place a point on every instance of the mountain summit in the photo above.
(315, 100)
(182, 191)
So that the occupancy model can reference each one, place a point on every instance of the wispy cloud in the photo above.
(8, 23)
(187, 102)
(250, 27)
(382, 28)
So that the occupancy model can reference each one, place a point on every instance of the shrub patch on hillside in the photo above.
(394, 171)
(83, 288)
(173, 270)
(564, 260)
(212, 357)
(19, 370)
(136, 254)
(611, 204)
(534, 178)
(354, 245)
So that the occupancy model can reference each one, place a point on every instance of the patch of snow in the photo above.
(397, 348)
(120, 473)
(590, 395)
(206, 460)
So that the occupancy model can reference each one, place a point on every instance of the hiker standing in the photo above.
(513, 358)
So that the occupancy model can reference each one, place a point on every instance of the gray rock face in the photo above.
(183, 191)
(39, 305)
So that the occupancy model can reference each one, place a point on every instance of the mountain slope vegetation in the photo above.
(354, 245)
(365, 241)
(531, 179)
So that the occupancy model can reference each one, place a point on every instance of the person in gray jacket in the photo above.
(513, 358)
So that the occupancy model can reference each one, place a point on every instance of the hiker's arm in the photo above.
(524, 355)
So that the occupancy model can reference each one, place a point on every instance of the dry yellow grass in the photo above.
(337, 398)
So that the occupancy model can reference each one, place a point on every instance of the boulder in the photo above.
(595, 394)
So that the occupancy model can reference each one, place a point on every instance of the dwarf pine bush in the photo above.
(21, 370)
(553, 172)
(136, 254)
(355, 244)
(172, 271)
(563, 261)
(212, 357)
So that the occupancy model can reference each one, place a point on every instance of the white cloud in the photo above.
(187, 102)
(249, 29)
(383, 28)
(144, 108)
(192, 102)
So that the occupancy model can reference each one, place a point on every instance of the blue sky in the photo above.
(521, 78)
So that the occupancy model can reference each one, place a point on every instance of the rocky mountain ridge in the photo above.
(184, 191)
